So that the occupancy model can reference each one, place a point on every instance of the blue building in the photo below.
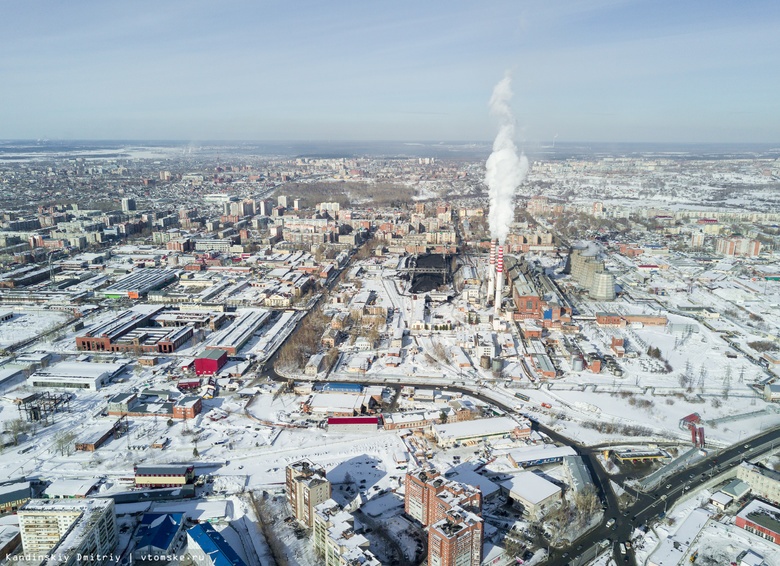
(209, 548)
(159, 534)
(335, 387)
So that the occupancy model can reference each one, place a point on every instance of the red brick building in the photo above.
(428, 496)
(456, 540)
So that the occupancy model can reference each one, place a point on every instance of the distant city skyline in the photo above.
(595, 70)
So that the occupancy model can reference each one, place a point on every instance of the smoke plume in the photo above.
(506, 170)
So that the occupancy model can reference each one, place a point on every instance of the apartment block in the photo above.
(307, 487)
(69, 531)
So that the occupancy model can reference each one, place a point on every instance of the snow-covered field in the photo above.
(28, 323)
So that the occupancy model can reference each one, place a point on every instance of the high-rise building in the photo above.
(264, 207)
(71, 531)
(128, 204)
(738, 247)
(335, 539)
(307, 487)
(428, 496)
(456, 540)
(281, 200)
(452, 512)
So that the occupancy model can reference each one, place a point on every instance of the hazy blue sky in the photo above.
(587, 70)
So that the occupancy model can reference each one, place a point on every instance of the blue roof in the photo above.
(346, 387)
(158, 530)
(215, 545)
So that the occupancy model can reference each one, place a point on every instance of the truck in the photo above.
(546, 405)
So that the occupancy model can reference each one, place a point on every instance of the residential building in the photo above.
(335, 539)
(71, 531)
(307, 487)
(456, 540)
(428, 496)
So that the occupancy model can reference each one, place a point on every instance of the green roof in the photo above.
(212, 354)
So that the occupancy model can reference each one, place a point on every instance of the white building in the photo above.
(531, 492)
(447, 435)
(72, 531)
(75, 375)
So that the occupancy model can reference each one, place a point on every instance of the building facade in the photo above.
(307, 487)
(84, 530)
(456, 540)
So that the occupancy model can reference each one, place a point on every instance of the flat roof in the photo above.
(83, 370)
(481, 427)
(762, 514)
(531, 487)
(673, 548)
(71, 488)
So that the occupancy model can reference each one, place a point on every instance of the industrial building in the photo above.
(353, 425)
(232, 338)
(93, 438)
(761, 519)
(72, 531)
(13, 496)
(76, 375)
(447, 435)
(132, 331)
(138, 283)
(210, 362)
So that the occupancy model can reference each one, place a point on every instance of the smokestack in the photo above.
(492, 271)
(499, 279)
(505, 170)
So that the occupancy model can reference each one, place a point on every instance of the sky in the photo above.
(583, 70)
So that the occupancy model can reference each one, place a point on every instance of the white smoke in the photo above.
(506, 170)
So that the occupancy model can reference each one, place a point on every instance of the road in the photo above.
(647, 505)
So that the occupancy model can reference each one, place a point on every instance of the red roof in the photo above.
(353, 420)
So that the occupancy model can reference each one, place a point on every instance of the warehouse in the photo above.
(471, 432)
(353, 425)
(138, 283)
(532, 493)
(99, 337)
(236, 335)
(76, 375)
(337, 405)
(210, 362)
(94, 438)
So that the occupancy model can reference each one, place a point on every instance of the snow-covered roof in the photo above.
(672, 549)
(531, 487)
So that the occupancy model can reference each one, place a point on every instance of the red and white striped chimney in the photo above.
(499, 279)
(492, 271)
